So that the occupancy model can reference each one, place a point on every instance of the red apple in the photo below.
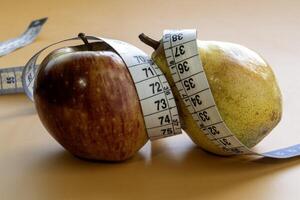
(86, 99)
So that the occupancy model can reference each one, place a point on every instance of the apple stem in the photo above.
(149, 41)
(86, 42)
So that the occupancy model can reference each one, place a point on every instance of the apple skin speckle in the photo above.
(97, 115)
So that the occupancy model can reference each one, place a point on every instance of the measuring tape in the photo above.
(26, 38)
(11, 78)
(181, 49)
(155, 95)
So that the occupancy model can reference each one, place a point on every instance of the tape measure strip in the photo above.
(155, 95)
(156, 98)
(26, 38)
(182, 56)
(11, 80)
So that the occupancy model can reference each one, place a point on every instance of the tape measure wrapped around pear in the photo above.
(242, 83)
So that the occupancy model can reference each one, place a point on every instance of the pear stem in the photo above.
(86, 42)
(149, 41)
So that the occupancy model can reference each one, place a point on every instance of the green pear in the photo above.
(244, 88)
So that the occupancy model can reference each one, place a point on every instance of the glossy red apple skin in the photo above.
(88, 102)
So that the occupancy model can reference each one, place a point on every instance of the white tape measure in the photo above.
(26, 38)
(10, 78)
(156, 98)
(155, 95)
(181, 50)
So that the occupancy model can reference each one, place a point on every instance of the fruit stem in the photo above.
(86, 42)
(149, 41)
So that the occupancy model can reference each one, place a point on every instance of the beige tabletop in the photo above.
(34, 166)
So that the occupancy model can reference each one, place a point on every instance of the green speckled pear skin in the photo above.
(244, 88)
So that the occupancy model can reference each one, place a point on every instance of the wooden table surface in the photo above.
(34, 166)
